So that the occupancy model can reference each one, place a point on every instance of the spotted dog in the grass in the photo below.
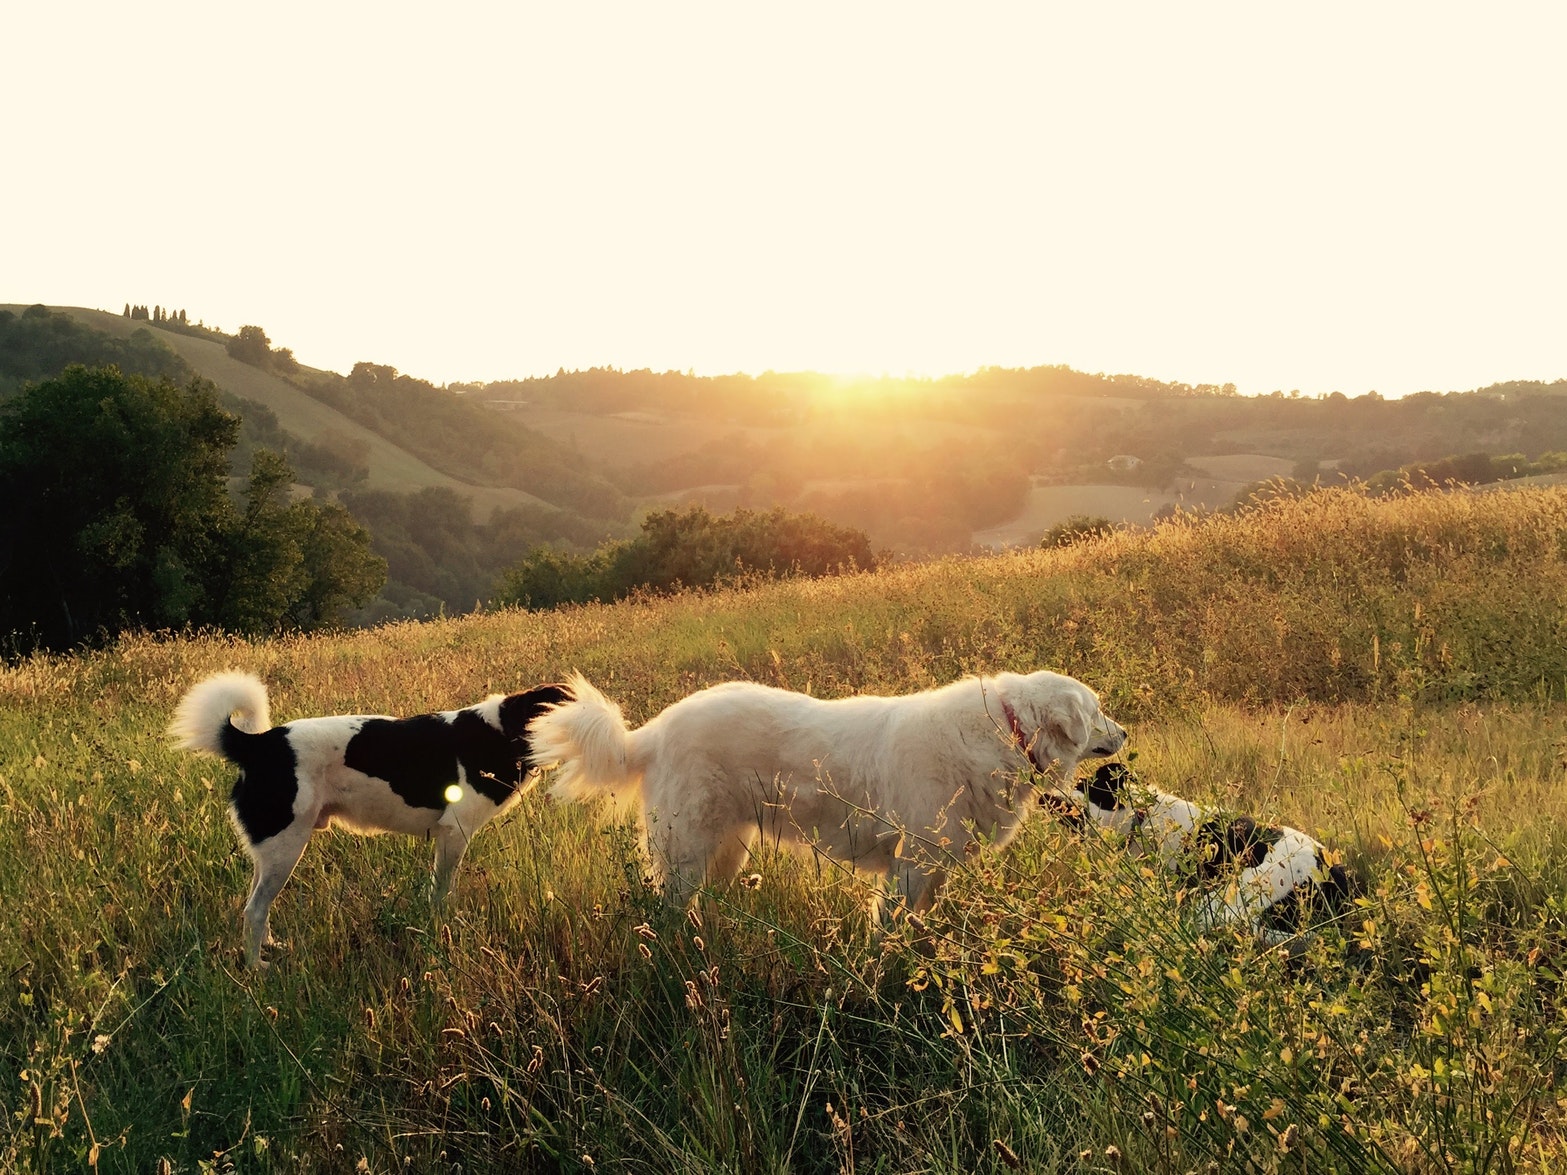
(1272, 877)
(436, 775)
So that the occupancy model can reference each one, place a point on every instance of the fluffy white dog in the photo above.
(441, 776)
(898, 787)
(1273, 878)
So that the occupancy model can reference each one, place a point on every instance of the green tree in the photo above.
(547, 578)
(341, 571)
(116, 503)
(250, 345)
(294, 564)
(118, 515)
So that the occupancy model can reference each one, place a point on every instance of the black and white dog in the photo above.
(436, 775)
(1274, 878)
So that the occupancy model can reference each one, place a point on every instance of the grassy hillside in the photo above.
(391, 467)
(1390, 675)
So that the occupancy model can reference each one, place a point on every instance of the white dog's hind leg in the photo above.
(680, 866)
(685, 859)
(274, 860)
(911, 889)
(730, 855)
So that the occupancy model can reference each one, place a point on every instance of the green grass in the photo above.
(1388, 675)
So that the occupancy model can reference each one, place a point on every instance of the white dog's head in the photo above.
(1057, 720)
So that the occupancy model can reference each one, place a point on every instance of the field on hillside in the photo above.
(1390, 675)
(1046, 505)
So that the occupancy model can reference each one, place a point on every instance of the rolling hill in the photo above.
(391, 467)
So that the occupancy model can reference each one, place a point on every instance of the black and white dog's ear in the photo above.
(520, 709)
(1107, 787)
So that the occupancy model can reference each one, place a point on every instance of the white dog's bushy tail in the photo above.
(205, 713)
(587, 739)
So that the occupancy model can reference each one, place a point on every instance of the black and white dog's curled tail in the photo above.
(218, 711)
(587, 741)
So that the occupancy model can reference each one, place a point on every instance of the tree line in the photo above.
(775, 397)
(157, 315)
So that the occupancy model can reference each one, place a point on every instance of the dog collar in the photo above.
(1017, 733)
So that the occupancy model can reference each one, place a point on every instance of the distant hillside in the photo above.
(391, 467)
(998, 456)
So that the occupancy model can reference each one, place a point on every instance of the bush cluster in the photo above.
(688, 549)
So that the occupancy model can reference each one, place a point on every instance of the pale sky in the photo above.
(1325, 197)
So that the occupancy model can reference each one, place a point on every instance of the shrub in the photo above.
(1076, 529)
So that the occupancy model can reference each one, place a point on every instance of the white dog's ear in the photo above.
(1067, 727)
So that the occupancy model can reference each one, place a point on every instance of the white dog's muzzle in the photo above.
(1109, 737)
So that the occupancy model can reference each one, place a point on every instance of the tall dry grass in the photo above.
(1386, 674)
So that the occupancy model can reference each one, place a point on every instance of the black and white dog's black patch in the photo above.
(437, 775)
(1274, 878)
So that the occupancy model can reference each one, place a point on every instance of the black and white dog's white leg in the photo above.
(451, 842)
(1242, 900)
(274, 859)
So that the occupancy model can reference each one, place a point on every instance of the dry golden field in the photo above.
(1389, 675)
